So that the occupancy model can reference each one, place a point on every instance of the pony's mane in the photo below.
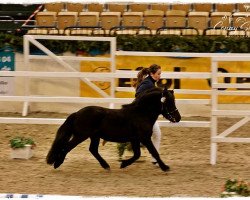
(142, 96)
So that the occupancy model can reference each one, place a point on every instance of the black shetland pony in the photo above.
(132, 123)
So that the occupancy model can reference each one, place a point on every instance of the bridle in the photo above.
(170, 116)
(169, 113)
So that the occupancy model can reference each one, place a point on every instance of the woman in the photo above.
(146, 79)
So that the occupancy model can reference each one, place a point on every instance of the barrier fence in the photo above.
(111, 76)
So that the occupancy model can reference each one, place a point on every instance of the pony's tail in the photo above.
(63, 136)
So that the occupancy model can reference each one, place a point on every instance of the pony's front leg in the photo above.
(64, 151)
(93, 148)
(137, 153)
(149, 145)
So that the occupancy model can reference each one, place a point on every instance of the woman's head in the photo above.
(155, 72)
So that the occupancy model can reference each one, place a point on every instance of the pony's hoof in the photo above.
(165, 168)
(124, 164)
(57, 164)
(107, 169)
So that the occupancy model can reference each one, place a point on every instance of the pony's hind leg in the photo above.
(149, 145)
(93, 148)
(137, 153)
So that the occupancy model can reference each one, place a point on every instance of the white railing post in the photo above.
(112, 69)
(214, 106)
(26, 49)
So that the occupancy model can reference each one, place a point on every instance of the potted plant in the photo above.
(236, 188)
(22, 147)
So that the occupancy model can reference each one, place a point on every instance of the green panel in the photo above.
(7, 60)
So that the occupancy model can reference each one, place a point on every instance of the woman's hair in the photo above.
(144, 72)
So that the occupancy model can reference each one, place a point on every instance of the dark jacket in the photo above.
(146, 84)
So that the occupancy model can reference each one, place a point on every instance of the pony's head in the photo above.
(169, 110)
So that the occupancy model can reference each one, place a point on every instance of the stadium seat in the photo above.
(203, 7)
(75, 7)
(45, 21)
(46, 18)
(222, 7)
(87, 22)
(115, 7)
(88, 19)
(132, 19)
(54, 7)
(160, 6)
(138, 7)
(109, 20)
(241, 20)
(243, 7)
(153, 19)
(131, 23)
(219, 19)
(198, 20)
(95, 7)
(176, 18)
(183, 7)
(64, 20)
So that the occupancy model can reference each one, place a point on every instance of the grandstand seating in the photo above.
(153, 19)
(183, 7)
(176, 18)
(138, 7)
(115, 7)
(203, 7)
(98, 18)
(95, 7)
(241, 19)
(243, 7)
(220, 19)
(225, 7)
(47, 18)
(198, 20)
(54, 7)
(75, 7)
(109, 20)
(160, 6)
(64, 20)
(132, 19)
(87, 22)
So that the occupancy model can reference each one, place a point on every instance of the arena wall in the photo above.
(71, 87)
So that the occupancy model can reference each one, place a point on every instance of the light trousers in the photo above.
(156, 138)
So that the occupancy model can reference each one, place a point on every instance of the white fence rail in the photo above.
(87, 77)
(222, 137)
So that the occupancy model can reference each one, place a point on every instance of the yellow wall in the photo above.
(168, 64)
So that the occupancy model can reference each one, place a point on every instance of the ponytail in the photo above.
(140, 76)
